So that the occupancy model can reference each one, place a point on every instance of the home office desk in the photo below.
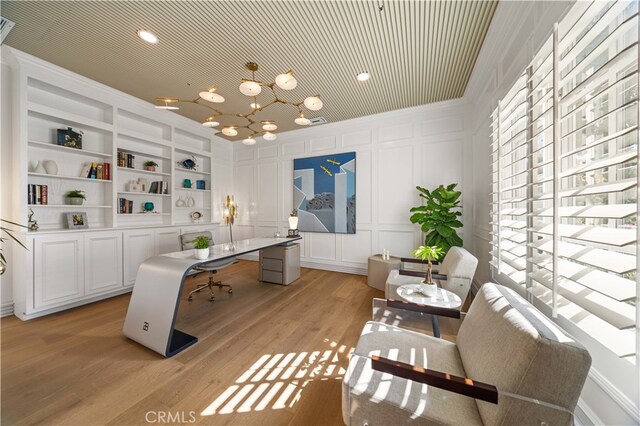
(153, 308)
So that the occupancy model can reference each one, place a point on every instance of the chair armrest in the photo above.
(449, 382)
(412, 260)
(426, 309)
(411, 273)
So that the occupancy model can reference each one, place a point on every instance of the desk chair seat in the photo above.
(186, 241)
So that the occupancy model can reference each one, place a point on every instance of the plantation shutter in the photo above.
(578, 162)
(513, 165)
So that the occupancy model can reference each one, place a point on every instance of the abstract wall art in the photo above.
(324, 192)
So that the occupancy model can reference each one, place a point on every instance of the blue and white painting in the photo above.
(324, 192)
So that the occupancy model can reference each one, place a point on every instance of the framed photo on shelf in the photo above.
(77, 220)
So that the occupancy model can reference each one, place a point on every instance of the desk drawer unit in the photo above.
(280, 264)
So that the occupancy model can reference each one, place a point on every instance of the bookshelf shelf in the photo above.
(68, 177)
(71, 119)
(146, 194)
(192, 189)
(182, 169)
(129, 169)
(144, 214)
(67, 150)
(74, 206)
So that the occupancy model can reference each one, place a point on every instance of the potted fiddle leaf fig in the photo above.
(201, 246)
(76, 197)
(428, 253)
(438, 216)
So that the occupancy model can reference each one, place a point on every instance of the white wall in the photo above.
(395, 151)
(517, 31)
(6, 169)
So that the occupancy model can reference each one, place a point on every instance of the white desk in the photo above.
(153, 308)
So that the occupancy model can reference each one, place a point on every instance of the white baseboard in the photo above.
(6, 309)
(585, 416)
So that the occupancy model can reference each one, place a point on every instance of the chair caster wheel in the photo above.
(211, 299)
(189, 298)
(230, 290)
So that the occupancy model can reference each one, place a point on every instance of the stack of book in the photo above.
(159, 187)
(96, 171)
(126, 160)
(37, 194)
(125, 206)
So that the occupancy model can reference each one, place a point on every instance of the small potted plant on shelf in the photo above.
(428, 253)
(150, 166)
(76, 197)
(201, 245)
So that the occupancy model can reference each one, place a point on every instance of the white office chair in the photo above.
(186, 241)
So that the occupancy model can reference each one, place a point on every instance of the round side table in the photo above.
(378, 270)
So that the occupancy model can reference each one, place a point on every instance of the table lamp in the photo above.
(229, 213)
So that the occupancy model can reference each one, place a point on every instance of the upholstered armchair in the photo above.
(510, 365)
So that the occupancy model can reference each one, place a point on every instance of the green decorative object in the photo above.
(437, 217)
(201, 242)
(76, 197)
(428, 253)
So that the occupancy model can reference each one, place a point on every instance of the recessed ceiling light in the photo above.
(363, 76)
(147, 36)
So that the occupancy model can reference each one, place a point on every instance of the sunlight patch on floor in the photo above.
(276, 381)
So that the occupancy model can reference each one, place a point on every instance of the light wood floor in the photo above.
(267, 355)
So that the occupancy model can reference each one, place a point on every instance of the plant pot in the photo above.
(150, 168)
(428, 290)
(75, 201)
(202, 254)
(293, 222)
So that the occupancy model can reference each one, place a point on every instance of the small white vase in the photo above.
(40, 168)
(293, 222)
(202, 254)
(50, 167)
(428, 290)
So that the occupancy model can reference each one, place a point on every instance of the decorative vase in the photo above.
(50, 167)
(428, 290)
(148, 206)
(76, 201)
(293, 222)
(202, 254)
(40, 168)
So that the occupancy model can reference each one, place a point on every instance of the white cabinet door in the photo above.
(138, 247)
(58, 269)
(167, 240)
(102, 262)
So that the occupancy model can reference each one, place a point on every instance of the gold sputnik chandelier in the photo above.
(251, 88)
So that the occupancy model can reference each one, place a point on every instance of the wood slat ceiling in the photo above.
(418, 52)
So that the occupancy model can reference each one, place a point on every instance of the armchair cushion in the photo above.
(386, 401)
(508, 343)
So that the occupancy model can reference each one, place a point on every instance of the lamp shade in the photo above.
(314, 103)
(268, 136)
(269, 126)
(210, 122)
(229, 131)
(249, 141)
(250, 88)
(286, 81)
(302, 120)
(211, 96)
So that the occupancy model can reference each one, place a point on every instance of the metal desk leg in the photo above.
(436, 326)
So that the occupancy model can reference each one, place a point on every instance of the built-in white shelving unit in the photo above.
(68, 267)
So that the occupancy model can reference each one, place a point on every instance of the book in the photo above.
(99, 172)
(107, 171)
(38, 199)
(45, 194)
(85, 170)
